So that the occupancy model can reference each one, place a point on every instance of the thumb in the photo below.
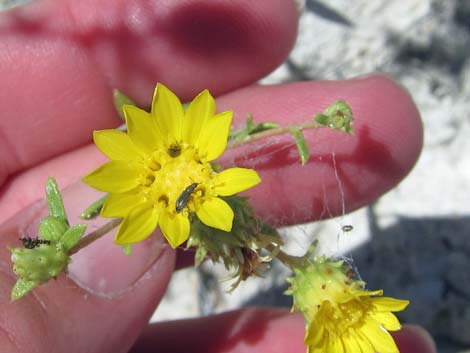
(101, 306)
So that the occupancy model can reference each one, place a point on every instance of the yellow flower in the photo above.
(340, 316)
(160, 171)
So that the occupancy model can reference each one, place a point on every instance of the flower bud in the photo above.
(39, 264)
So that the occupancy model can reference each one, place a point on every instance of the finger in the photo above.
(414, 339)
(61, 59)
(251, 330)
(101, 306)
(246, 330)
(343, 171)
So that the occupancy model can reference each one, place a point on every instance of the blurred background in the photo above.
(420, 231)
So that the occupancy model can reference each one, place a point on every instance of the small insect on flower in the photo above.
(183, 199)
(174, 151)
(31, 243)
(347, 228)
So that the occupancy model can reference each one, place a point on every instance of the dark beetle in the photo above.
(183, 199)
(31, 243)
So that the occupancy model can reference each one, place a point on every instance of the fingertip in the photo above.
(388, 110)
(344, 172)
(414, 339)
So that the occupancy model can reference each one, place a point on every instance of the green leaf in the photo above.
(302, 145)
(322, 119)
(251, 128)
(200, 256)
(268, 125)
(119, 100)
(249, 121)
(94, 209)
(51, 228)
(71, 237)
(127, 249)
(21, 288)
(54, 201)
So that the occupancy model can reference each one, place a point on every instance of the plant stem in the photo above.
(95, 235)
(288, 260)
(311, 124)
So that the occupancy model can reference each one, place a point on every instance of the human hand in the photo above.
(59, 62)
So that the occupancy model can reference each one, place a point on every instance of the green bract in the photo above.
(43, 261)
(39, 264)
(241, 250)
(338, 116)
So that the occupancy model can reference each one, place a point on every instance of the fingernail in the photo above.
(102, 268)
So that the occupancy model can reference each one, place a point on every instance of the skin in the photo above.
(59, 61)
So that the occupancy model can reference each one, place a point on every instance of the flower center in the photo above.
(169, 175)
(340, 318)
(353, 312)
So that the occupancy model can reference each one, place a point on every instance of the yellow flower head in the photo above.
(340, 316)
(160, 171)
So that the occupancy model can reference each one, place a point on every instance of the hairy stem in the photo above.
(288, 260)
(311, 124)
(95, 235)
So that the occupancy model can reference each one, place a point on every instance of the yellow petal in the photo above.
(137, 226)
(116, 145)
(364, 343)
(314, 349)
(315, 334)
(215, 213)
(389, 304)
(387, 320)
(366, 293)
(175, 228)
(168, 113)
(142, 129)
(335, 345)
(380, 339)
(234, 180)
(350, 343)
(120, 205)
(201, 109)
(114, 177)
(213, 138)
